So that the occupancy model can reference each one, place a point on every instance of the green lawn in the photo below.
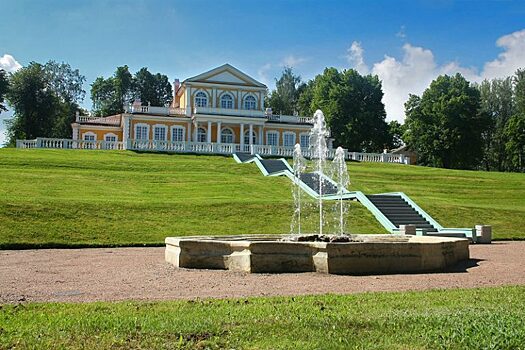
(490, 318)
(72, 197)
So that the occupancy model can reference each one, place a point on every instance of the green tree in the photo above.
(497, 103)
(110, 95)
(153, 89)
(35, 104)
(445, 125)
(353, 108)
(284, 98)
(4, 84)
(396, 131)
(45, 99)
(515, 146)
(519, 90)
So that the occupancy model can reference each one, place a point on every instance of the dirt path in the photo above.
(141, 274)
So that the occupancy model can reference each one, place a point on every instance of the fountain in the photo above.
(338, 253)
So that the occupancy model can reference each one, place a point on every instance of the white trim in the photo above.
(110, 134)
(233, 134)
(197, 133)
(255, 136)
(183, 133)
(287, 133)
(161, 126)
(136, 125)
(90, 134)
(272, 132)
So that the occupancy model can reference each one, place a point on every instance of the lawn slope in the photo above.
(72, 197)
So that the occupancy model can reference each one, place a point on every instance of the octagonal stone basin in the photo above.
(364, 254)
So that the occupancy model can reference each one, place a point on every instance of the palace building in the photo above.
(219, 111)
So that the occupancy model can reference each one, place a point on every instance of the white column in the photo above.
(209, 132)
(219, 126)
(189, 132)
(242, 137)
(261, 142)
(251, 134)
(195, 131)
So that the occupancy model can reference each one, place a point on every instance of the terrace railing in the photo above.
(203, 148)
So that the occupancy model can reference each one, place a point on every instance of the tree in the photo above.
(67, 84)
(519, 90)
(497, 104)
(353, 108)
(445, 125)
(110, 95)
(153, 89)
(396, 131)
(4, 84)
(515, 145)
(45, 99)
(284, 98)
(34, 103)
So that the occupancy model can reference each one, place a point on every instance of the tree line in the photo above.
(453, 124)
(46, 97)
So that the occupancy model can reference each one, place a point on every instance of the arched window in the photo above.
(201, 99)
(227, 136)
(250, 102)
(110, 137)
(177, 133)
(201, 135)
(227, 101)
(247, 137)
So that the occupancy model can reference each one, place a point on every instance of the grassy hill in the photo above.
(72, 197)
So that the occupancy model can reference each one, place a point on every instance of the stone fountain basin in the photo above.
(365, 254)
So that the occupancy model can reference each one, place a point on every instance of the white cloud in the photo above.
(355, 56)
(413, 72)
(292, 61)
(9, 64)
(263, 74)
(512, 57)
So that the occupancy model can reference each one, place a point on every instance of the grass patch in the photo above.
(489, 318)
(111, 198)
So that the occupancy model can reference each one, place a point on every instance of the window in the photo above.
(227, 135)
(272, 138)
(250, 102)
(177, 134)
(89, 136)
(201, 99)
(141, 132)
(305, 140)
(289, 139)
(159, 133)
(247, 137)
(227, 101)
(201, 135)
(110, 138)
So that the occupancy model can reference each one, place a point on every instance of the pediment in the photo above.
(226, 74)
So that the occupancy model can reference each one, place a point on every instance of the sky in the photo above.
(406, 43)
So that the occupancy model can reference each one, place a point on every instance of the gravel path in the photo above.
(80, 275)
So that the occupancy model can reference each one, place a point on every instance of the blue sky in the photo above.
(407, 43)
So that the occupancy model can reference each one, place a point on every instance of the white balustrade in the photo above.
(254, 113)
(202, 147)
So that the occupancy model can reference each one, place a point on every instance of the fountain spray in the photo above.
(299, 166)
(318, 151)
(340, 176)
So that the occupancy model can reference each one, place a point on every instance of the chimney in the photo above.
(176, 86)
